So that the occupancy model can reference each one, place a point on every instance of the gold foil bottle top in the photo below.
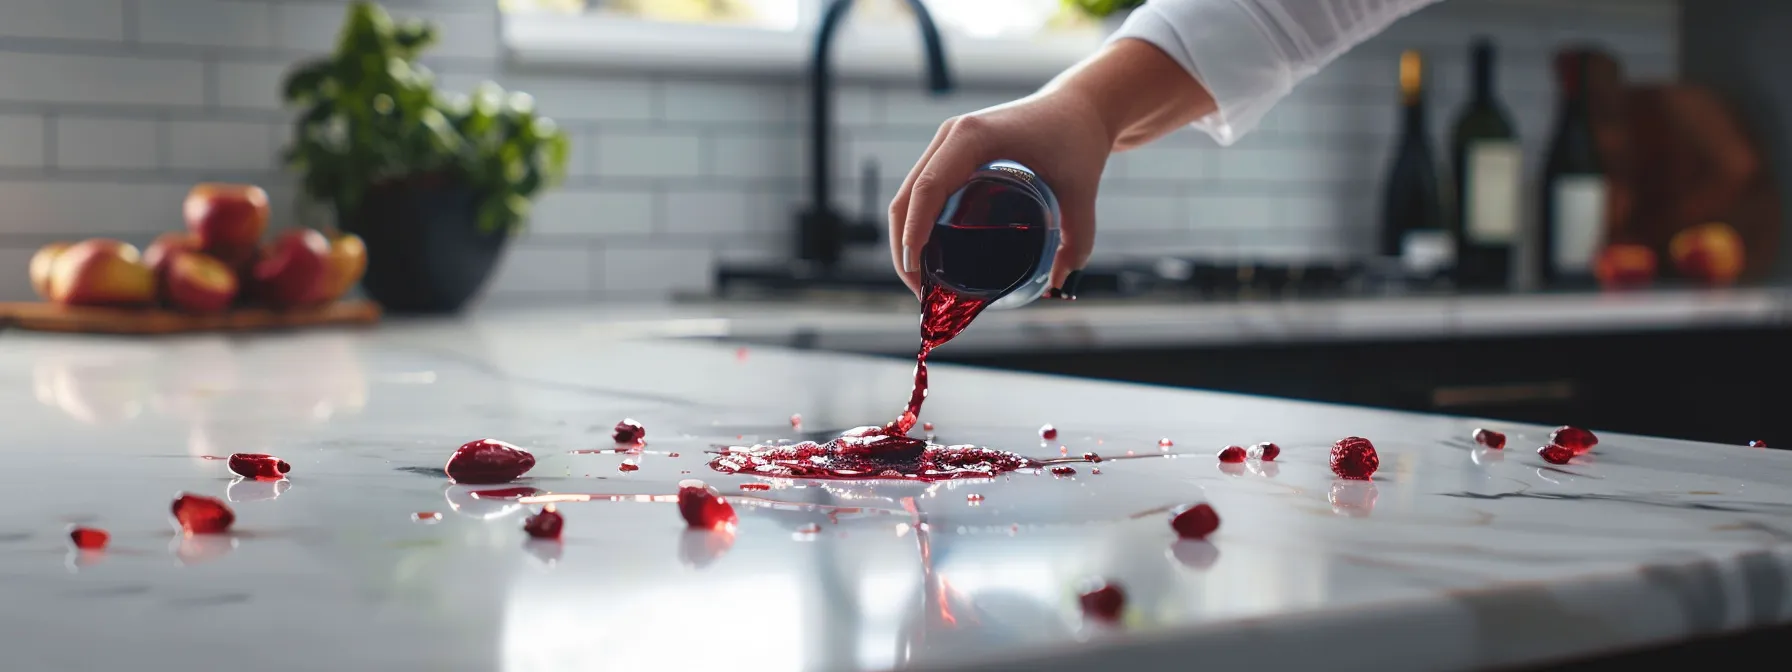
(1412, 75)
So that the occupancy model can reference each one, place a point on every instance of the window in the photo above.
(987, 39)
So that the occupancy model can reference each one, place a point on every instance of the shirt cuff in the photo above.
(1227, 49)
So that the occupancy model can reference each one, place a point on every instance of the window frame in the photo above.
(885, 51)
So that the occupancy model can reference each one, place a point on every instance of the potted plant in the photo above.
(435, 184)
(1110, 12)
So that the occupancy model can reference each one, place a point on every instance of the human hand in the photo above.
(1058, 133)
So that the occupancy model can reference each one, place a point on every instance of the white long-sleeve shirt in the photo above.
(1251, 53)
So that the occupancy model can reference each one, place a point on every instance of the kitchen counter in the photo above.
(1453, 557)
(860, 324)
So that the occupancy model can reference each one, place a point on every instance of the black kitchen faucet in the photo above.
(823, 232)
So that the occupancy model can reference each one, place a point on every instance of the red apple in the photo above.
(1710, 253)
(228, 219)
(162, 250)
(1625, 266)
(41, 264)
(292, 268)
(198, 283)
(348, 261)
(101, 272)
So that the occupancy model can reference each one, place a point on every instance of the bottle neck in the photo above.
(1483, 77)
(1412, 114)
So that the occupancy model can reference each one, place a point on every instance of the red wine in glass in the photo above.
(991, 247)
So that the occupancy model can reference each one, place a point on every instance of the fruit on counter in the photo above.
(1195, 522)
(1232, 454)
(1555, 454)
(488, 461)
(41, 264)
(89, 538)
(545, 525)
(1625, 266)
(101, 272)
(1102, 600)
(161, 251)
(198, 514)
(292, 268)
(1574, 438)
(348, 261)
(196, 282)
(1710, 253)
(629, 431)
(1354, 458)
(1266, 451)
(228, 219)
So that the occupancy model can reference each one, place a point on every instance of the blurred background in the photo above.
(648, 151)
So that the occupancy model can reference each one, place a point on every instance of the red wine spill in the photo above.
(756, 486)
(545, 525)
(198, 514)
(944, 314)
(488, 461)
(868, 453)
(259, 466)
(1102, 600)
(1575, 439)
(628, 431)
(427, 516)
(89, 538)
(1490, 438)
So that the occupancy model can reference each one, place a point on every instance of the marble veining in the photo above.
(1453, 557)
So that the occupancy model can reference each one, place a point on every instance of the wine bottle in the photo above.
(1574, 186)
(1413, 226)
(1488, 166)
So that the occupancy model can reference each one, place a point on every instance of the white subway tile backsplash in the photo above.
(721, 212)
(649, 154)
(251, 85)
(597, 213)
(761, 155)
(670, 174)
(21, 140)
(569, 98)
(80, 209)
(101, 80)
(229, 145)
(904, 106)
(1132, 212)
(542, 267)
(463, 31)
(207, 23)
(731, 102)
(653, 271)
(15, 285)
(107, 142)
(1164, 164)
(63, 19)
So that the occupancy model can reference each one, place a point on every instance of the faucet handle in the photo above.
(868, 191)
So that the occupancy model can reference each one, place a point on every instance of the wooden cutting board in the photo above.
(41, 316)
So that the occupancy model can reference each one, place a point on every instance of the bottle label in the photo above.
(1427, 251)
(1494, 171)
(1579, 220)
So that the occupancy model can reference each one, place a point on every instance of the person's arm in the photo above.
(1219, 64)
(1250, 53)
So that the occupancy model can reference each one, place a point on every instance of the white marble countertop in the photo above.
(888, 326)
(1452, 558)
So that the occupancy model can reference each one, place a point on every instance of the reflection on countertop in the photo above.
(347, 566)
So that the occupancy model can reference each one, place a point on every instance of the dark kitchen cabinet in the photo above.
(1718, 385)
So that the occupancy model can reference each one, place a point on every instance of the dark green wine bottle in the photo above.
(1488, 166)
(1414, 228)
(1574, 185)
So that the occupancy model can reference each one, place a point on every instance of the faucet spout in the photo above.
(823, 232)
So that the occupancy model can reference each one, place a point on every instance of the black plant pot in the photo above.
(425, 252)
